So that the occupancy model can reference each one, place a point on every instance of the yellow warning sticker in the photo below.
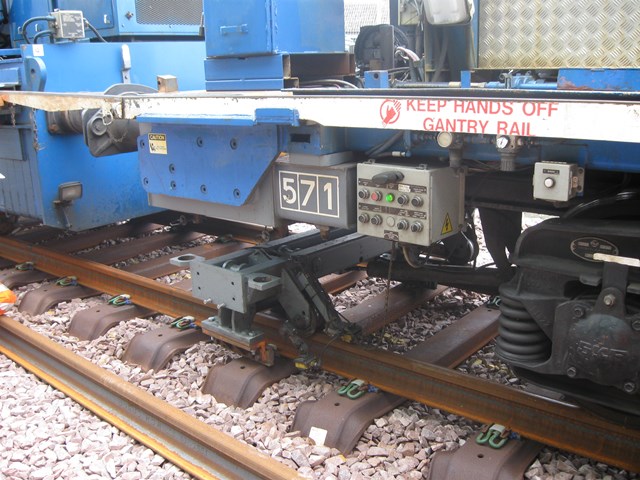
(447, 227)
(158, 143)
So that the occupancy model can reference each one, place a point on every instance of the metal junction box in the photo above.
(320, 195)
(557, 182)
(412, 205)
(69, 24)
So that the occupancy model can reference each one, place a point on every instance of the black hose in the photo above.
(582, 210)
(30, 21)
(94, 30)
(42, 34)
(381, 147)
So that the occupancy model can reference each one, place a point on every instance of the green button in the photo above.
(390, 197)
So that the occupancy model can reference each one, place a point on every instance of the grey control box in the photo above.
(414, 205)
(320, 195)
(557, 181)
(68, 24)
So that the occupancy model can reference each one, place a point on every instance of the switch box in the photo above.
(68, 24)
(317, 194)
(413, 205)
(557, 182)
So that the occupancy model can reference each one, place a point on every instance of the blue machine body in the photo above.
(36, 161)
(250, 43)
(409, 157)
(247, 28)
(117, 18)
(214, 153)
(246, 43)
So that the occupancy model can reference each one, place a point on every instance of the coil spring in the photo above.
(520, 338)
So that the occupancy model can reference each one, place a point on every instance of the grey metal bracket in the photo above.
(284, 272)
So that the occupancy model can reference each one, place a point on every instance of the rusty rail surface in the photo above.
(554, 424)
(195, 447)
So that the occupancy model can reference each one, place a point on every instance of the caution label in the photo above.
(447, 226)
(158, 143)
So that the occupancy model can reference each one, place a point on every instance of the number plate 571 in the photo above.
(302, 192)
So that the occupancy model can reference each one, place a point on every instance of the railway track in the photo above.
(409, 376)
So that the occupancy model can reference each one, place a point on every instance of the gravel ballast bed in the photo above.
(398, 445)
(45, 435)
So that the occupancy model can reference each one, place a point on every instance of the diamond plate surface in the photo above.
(559, 33)
(168, 12)
(360, 13)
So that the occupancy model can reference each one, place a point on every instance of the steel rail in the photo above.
(554, 424)
(190, 444)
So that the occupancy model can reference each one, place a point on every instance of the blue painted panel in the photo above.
(307, 26)
(112, 188)
(245, 84)
(207, 120)
(261, 27)
(315, 140)
(73, 67)
(252, 73)
(376, 79)
(614, 156)
(262, 116)
(238, 28)
(211, 164)
(10, 72)
(599, 79)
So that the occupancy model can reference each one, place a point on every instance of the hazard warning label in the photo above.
(447, 226)
(497, 117)
(158, 143)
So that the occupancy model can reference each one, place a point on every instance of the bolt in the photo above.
(630, 387)
(609, 300)
(572, 372)
(578, 311)
(636, 325)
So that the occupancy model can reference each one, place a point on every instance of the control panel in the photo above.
(414, 205)
(68, 24)
(557, 181)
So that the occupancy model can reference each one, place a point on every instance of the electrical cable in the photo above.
(94, 30)
(32, 20)
(42, 34)
(328, 81)
(579, 210)
(407, 54)
(381, 147)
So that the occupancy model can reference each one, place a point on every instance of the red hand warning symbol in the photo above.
(390, 111)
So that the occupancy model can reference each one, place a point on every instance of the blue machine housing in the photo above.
(36, 162)
(36, 156)
(117, 18)
(249, 43)
(246, 28)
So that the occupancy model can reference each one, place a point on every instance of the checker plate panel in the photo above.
(559, 33)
